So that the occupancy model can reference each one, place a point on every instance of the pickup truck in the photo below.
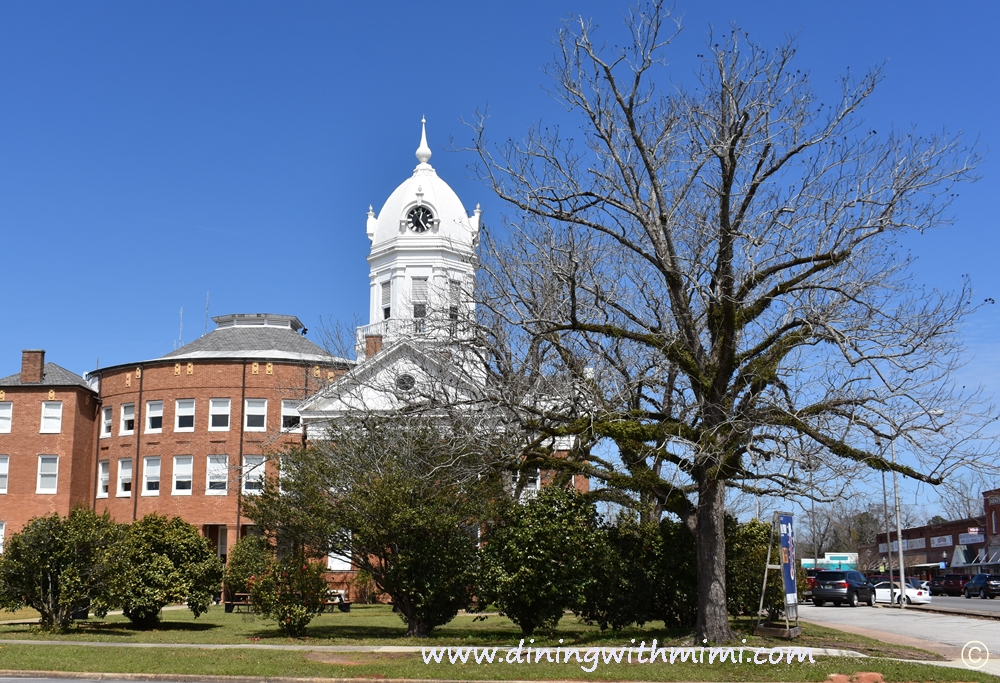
(949, 584)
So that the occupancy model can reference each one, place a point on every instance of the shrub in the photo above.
(250, 556)
(541, 560)
(289, 591)
(59, 565)
(161, 562)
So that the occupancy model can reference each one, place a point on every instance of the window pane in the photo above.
(51, 417)
(220, 420)
(48, 471)
(218, 472)
(154, 415)
(6, 413)
(183, 467)
(4, 465)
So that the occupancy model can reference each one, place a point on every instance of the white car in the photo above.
(915, 596)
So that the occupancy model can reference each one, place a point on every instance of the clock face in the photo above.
(419, 219)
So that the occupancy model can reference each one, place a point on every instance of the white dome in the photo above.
(450, 223)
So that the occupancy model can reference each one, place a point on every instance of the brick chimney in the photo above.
(32, 366)
(373, 344)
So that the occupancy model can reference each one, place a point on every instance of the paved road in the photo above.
(970, 605)
(949, 633)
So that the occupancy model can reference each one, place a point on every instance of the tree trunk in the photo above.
(710, 541)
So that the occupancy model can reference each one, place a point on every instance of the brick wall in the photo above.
(201, 381)
(74, 445)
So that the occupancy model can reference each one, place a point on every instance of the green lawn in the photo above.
(273, 663)
(377, 625)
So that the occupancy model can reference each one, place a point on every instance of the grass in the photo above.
(280, 663)
(378, 625)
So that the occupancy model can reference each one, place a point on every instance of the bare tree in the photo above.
(709, 278)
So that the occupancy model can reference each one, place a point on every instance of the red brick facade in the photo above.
(69, 438)
(161, 385)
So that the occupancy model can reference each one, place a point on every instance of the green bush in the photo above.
(248, 557)
(60, 565)
(289, 591)
(161, 562)
(540, 561)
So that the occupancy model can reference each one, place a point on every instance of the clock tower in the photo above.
(422, 261)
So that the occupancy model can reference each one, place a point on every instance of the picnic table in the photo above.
(239, 603)
(335, 599)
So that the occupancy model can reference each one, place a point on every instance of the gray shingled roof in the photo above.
(253, 342)
(52, 376)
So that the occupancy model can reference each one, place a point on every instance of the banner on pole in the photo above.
(787, 540)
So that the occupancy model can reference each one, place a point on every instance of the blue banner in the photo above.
(787, 536)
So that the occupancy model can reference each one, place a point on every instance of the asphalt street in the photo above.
(970, 605)
(953, 636)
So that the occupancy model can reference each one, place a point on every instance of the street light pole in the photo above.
(888, 538)
(899, 530)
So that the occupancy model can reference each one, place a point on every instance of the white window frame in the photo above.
(3, 533)
(6, 416)
(103, 478)
(154, 409)
(184, 411)
(4, 473)
(216, 473)
(54, 420)
(187, 463)
(215, 407)
(253, 470)
(38, 484)
(124, 417)
(107, 422)
(119, 491)
(255, 407)
(291, 409)
(339, 564)
(154, 463)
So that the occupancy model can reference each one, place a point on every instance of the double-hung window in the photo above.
(183, 474)
(6, 416)
(255, 415)
(151, 477)
(107, 414)
(4, 468)
(386, 300)
(419, 303)
(124, 478)
(290, 420)
(51, 417)
(48, 474)
(154, 417)
(184, 415)
(128, 419)
(253, 473)
(218, 414)
(103, 478)
(218, 475)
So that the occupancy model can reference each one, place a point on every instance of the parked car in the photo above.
(949, 584)
(807, 590)
(839, 587)
(883, 593)
(983, 585)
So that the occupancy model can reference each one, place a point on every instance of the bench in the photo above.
(335, 599)
(239, 603)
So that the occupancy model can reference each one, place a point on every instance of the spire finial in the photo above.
(423, 151)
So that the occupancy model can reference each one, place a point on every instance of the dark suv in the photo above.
(983, 585)
(839, 587)
(949, 584)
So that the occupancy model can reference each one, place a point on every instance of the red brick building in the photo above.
(47, 429)
(189, 434)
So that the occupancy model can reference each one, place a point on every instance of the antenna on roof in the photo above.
(180, 337)
(206, 313)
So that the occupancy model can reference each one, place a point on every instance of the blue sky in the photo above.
(153, 152)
